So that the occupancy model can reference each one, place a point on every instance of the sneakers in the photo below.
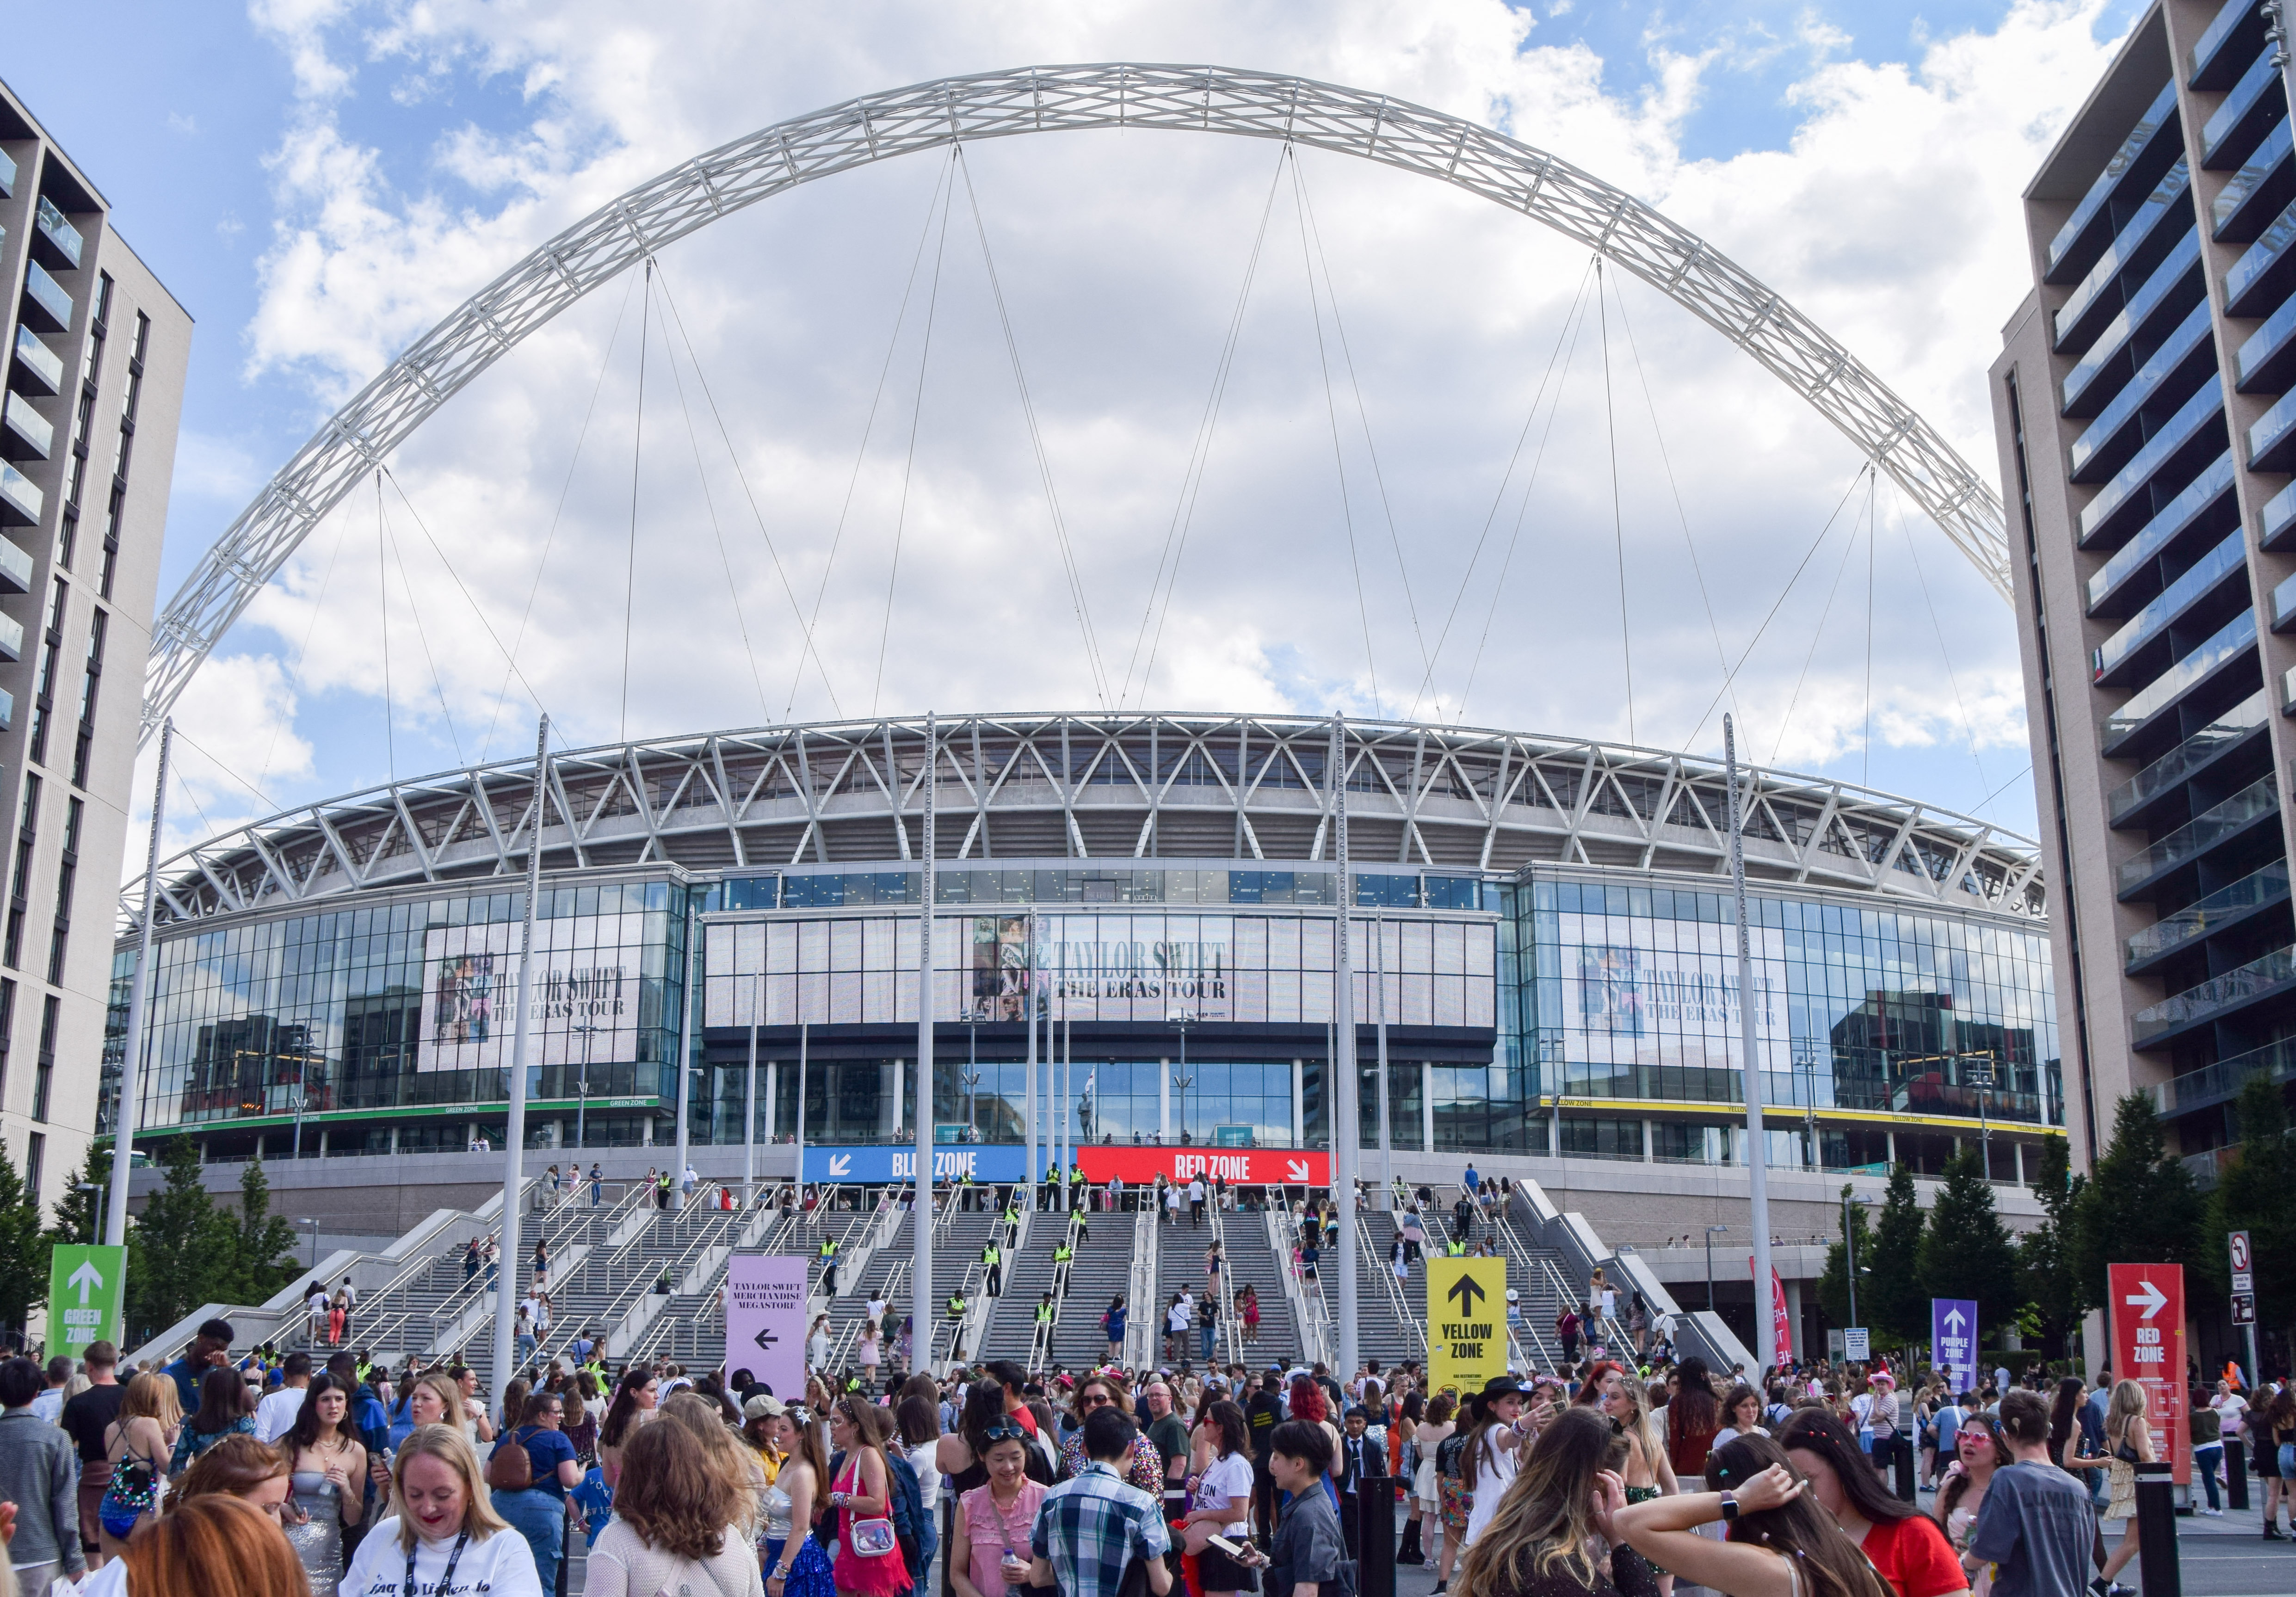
(1441, 1586)
(2213, 1513)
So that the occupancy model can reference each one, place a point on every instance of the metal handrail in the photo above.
(650, 1341)
(1367, 1256)
(1231, 1333)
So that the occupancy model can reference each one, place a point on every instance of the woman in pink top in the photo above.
(998, 1518)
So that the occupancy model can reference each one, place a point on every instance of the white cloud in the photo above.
(1891, 218)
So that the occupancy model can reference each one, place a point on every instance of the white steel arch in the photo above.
(1039, 100)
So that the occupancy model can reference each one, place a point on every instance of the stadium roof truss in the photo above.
(1115, 789)
(950, 110)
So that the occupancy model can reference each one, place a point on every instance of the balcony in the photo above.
(2235, 643)
(20, 498)
(55, 241)
(2254, 194)
(2236, 35)
(7, 176)
(2272, 438)
(2165, 296)
(2197, 425)
(25, 434)
(47, 306)
(2260, 279)
(15, 572)
(2159, 222)
(2257, 801)
(2117, 433)
(2204, 506)
(2221, 1082)
(2266, 360)
(2226, 906)
(12, 638)
(2248, 113)
(2149, 146)
(2188, 759)
(2214, 999)
(37, 368)
(2113, 659)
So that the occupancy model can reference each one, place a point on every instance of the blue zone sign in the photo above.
(987, 1162)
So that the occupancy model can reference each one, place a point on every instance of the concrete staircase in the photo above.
(1249, 1260)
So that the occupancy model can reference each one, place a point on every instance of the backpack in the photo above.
(512, 1467)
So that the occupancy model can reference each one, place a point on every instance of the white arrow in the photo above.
(1954, 1322)
(84, 1278)
(2152, 1300)
(840, 1164)
(1297, 1168)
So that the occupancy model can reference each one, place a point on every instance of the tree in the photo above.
(263, 1242)
(79, 1215)
(2257, 1193)
(24, 1255)
(1966, 1252)
(1890, 1289)
(2139, 1206)
(180, 1252)
(2052, 1290)
(1833, 1286)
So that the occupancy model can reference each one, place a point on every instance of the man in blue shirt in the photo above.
(210, 1350)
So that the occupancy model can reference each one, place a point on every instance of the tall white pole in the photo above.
(1379, 1008)
(506, 1294)
(1757, 1183)
(131, 1058)
(1029, 1007)
(921, 1275)
(685, 1058)
(1347, 1080)
(750, 1114)
(804, 1036)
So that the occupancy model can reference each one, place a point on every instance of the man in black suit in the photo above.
(1359, 1456)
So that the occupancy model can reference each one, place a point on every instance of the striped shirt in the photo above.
(1091, 1527)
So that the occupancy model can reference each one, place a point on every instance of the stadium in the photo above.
(1542, 955)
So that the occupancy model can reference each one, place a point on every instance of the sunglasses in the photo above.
(1004, 1431)
(1094, 1400)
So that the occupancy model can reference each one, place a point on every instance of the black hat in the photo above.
(1499, 1386)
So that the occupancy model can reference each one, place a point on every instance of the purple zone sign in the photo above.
(1953, 1340)
(765, 1320)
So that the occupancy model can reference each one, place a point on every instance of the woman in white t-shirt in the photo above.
(1222, 1499)
(446, 1537)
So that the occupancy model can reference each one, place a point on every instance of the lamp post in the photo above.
(1806, 1064)
(582, 1085)
(971, 1080)
(1550, 1057)
(1181, 1019)
(1711, 1232)
(313, 1225)
(96, 1213)
(1976, 1072)
(1850, 1250)
(297, 1102)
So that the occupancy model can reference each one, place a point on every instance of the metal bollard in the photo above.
(1375, 1536)
(2235, 1474)
(1904, 1449)
(2156, 1520)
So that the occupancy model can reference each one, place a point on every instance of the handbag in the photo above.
(868, 1539)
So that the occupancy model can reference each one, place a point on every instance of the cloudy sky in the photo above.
(1448, 473)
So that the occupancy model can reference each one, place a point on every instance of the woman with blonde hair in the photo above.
(1649, 1472)
(139, 1444)
(671, 1515)
(213, 1544)
(1544, 1541)
(2128, 1442)
(446, 1526)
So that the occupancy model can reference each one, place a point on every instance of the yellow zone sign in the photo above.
(1466, 1322)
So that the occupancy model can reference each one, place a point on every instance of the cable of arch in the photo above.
(1194, 99)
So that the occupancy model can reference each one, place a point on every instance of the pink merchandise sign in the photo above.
(765, 1320)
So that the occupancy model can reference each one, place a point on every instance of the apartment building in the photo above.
(2147, 432)
(95, 355)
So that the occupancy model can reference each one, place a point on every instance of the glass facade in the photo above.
(1585, 1017)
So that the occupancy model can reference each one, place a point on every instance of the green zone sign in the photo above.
(86, 1292)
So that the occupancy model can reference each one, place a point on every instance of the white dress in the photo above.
(1493, 1476)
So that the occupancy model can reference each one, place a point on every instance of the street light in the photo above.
(1181, 1019)
(1710, 1231)
(97, 1188)
(1850, 1249)
(582, 1087)
(1550, 1053)
(971, 1080)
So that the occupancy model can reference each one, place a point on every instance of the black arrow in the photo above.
(766, 1339)
(1467, 1289)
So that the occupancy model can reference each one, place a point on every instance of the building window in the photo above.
(89, 685)
(66, 874)
(44, 1071)
(21, 887)
(44, 689)
(36, 1154)
(7, 1029)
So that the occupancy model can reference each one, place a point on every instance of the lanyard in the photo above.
(447, 1578)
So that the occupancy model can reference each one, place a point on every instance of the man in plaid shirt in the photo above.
(1091, 1528)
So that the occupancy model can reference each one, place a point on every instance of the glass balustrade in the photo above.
(2238, 637)
(2166, 205)
(2214, 996)
(2195, 500)
(41, 361)
(2203, 832)
(2226, 904)
(52, 227)
(2205, 409)
(2195, 751)
(2222, 1081)
(2148, 624)
(2175, 283)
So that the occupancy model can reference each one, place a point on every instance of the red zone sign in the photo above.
(1238, 1166)
(2148, 1347)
